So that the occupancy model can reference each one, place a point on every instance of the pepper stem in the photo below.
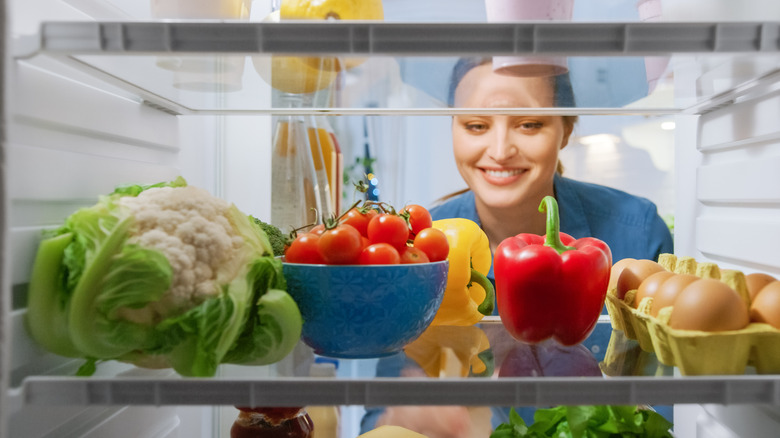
(486, 306)
(553, 236)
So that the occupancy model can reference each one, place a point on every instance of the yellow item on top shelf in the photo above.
(332, 10)
(294, 74)
(391, 432)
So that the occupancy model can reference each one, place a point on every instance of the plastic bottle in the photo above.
(321, 145)
(295, 197)
(333, 160)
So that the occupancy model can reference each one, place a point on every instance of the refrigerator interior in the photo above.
(701, 141)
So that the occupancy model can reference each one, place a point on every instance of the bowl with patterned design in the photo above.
(365, 311)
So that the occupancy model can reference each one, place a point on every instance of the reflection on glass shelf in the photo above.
(485, 350)
(246, 84)
(416, 85)
(625, 358)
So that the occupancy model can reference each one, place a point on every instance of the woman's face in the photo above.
(506, 159)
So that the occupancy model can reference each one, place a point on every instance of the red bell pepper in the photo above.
(553, 285)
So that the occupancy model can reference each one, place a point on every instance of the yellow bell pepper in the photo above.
(469, 295)
(452, 351)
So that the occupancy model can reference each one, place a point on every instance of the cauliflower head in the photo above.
(166, 276)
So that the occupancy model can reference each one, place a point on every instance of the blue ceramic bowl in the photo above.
(367, 310)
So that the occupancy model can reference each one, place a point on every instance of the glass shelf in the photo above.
(441, 366)
(219, 67)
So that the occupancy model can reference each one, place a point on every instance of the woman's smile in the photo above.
(501, 176)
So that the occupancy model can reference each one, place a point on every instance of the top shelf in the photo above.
(244, 67)
(409, 39)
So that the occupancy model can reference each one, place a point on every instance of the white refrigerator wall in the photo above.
(727, 167)
(68, 143)
(71, 138)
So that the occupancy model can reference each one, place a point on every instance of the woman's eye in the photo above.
(530, 125)
(476, 127)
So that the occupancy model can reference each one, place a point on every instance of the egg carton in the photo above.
(696, 352)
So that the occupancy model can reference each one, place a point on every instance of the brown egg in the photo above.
(668, 291)
(766, 305)
(650, 285)
(617, 268)
(634, 273)
(756, 281)
(709, 305)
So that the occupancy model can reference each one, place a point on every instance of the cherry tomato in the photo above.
(340, 245)
(317, 229)
(304, 249)
(359, 219)
(388, 228)
(379, 254)
(433, 242)
(411, 254)
(419, 218)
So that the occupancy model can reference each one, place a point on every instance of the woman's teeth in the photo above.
(503, 173)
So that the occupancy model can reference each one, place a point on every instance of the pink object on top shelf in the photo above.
(529, 10)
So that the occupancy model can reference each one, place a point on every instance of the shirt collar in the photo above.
(573, 217)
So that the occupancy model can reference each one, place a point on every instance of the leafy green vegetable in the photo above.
(275, 236)
(136, 189)
(590, 421)
(162, 275)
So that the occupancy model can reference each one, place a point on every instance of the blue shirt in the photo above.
(629, 224)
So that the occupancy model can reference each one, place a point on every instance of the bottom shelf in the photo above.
(440, 368)
(447, 369)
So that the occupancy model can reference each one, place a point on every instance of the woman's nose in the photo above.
(503, 146)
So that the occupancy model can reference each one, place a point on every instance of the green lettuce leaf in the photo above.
(136, 189)
(588, 421)
(47, 300)
(275, 325)
(195, 342)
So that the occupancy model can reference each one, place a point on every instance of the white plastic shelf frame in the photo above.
(437, 39)
(409, 391)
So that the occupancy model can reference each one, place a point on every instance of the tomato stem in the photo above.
(332, 222)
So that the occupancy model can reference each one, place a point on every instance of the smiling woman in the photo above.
(511, 161)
